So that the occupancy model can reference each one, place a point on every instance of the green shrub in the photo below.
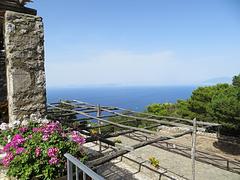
(154, 162)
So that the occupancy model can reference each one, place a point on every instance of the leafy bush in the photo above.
(37, 149)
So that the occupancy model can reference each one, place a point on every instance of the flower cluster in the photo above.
(53, 161)
(15, 146)
(20, 150)
(7, 159)
(38, 141)
(51, 128)
(16, 141)
(48, 129)
(53, 153)
(23, 129)
(76, 137)
(38, 152)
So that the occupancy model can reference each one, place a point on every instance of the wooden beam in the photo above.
(147, 119)
(114, 134)
(7, 6)
(144, 119)
(108, 158)
(157, 116)
(106, 125)
(106, 121)
(171, 118)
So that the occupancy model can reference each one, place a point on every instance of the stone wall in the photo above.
(24, 46)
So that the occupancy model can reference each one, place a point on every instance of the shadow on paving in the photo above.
(227, 147)
(111, 171)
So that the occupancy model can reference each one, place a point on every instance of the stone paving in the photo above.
(171, 161)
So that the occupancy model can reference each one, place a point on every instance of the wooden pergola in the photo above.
(127, 125)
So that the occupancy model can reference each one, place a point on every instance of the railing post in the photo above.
(227, 164)
(218, 132)
(77, 173)
(99, 123)
(80, 167)
(69, 170)
(84, 176)
(194, 133)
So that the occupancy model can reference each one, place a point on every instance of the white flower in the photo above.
(14, 124)
(25, 122)
(4, 126)
(9, 138)
(36, 117)
(17, 122)
(11, 126)
(3, 155)
(45, 121)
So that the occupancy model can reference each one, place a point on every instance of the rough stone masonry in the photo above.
(24, 51)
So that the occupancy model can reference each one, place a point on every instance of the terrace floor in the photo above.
(175, 163)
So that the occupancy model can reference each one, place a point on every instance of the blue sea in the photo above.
(134, 98)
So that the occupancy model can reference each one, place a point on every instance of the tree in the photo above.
(226, 110)
(200, 101)
(236, 81)
(165, 109)
(226, 106)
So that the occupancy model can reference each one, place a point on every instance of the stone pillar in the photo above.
(24, 49)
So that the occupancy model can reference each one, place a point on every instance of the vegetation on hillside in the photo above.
(219, 103)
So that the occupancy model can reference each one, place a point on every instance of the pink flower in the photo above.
(64, 134)
(7, 159)
(18, 139)
(7, 147)
(45, 137)
(36, 129)
(23, 129)
(76, 137)
(53, 161)
(51, 128)
(30, 136)
(38, 151)
(20, 150)
(14, 143)
(52, 152)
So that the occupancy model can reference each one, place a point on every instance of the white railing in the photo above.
(80, 167)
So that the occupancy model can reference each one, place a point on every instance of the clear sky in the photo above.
(140, 42)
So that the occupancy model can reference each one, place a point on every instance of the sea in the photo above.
(134, 98)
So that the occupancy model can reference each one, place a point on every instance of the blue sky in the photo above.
(140, 42)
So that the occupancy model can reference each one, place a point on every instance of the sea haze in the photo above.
(135, 98)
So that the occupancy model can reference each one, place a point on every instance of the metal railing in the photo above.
(80, 167)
